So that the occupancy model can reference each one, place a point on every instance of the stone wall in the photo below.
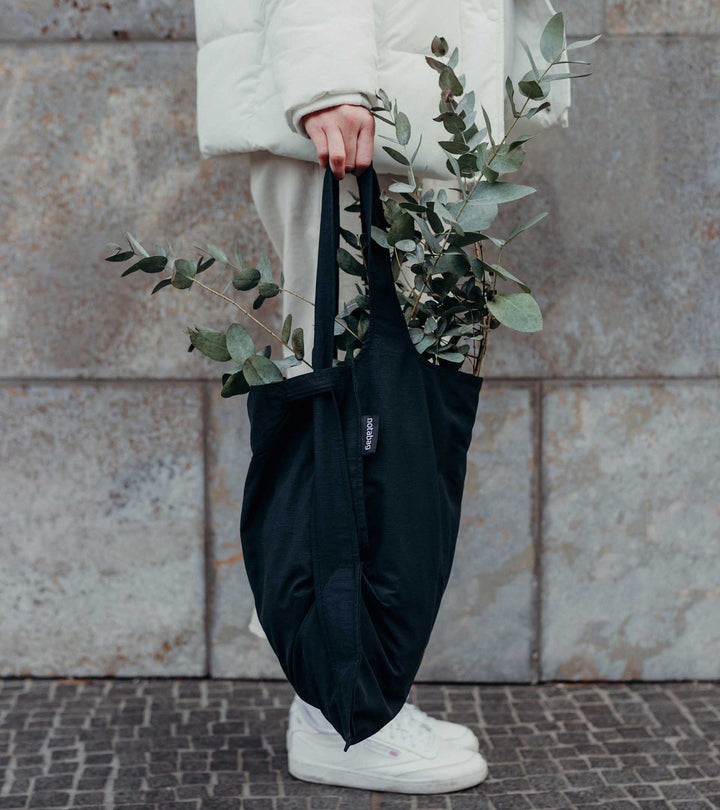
(591, 523)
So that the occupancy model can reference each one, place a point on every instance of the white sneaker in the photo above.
(407, 755)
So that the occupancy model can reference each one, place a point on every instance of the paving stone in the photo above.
(96, 19)
(81, 162)
(264, 782)
(665, 17)
(618, 297)
(102, 533)
(624, 516)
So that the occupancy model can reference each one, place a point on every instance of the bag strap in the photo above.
(386, 316)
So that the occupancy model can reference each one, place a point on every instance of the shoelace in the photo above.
(417, 711)
(408, 727)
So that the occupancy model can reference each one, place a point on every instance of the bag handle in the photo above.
(386, 316)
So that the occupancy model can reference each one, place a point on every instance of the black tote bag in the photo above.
(351, 504)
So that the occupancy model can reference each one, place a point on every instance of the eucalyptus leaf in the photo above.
(123, 256)
(286, 328)
(395, 155)
(183, 274)
(401, 228)
(518, 311)
(500, 192)
(234, 384)
(531, 89)
(582, 43)
(400, 188)
(265, 267)
(239, 343)
(259, 369)
(246, 278)
(163, 283)
(449, 81)
(349, 263)
(298, 342)
(476, 215)
(525, 225)
(402, 128)
(268, 289)
(217, 253)
(526, 48)
(552, 39)
(425, 343)
(211, 343)
(456, 263)
(287, 362)
(379, 235)
(150, 264)
(439, 46)
(135, 245)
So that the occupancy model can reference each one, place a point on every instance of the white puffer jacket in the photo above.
(264, 64)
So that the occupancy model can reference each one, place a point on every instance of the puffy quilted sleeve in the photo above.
(321, 53)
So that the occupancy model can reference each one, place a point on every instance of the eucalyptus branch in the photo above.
(249, 315)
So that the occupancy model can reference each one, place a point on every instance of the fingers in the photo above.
(343, 136)
(336, 150)
(319, 139)
(365, 144)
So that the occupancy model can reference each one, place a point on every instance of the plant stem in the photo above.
(302, 298)
(249, 314)
(477, 182)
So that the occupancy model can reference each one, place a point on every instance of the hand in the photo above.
(344, 135)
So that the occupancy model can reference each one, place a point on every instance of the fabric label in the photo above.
(369, 433)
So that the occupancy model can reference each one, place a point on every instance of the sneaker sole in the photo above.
(338, 776)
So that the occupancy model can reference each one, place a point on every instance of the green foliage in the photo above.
(452, 292)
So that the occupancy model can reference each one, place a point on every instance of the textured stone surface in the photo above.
(220, 745)
(484, 627)
(236, 652)
(162, 19)
(663, 16)
(625, 265)
(96, 19)
(98, 139)
(583, 18)
(631, 531)
(101, 538)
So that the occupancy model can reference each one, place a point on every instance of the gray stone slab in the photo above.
(235, 651)
(584, 18)
(631, 535)
(663, 17)
(163, 19)
(98, 139)
(96, 19)
(101, 537)
(625, 265)
(484, 627)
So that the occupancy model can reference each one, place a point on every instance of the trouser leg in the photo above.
(287, 194)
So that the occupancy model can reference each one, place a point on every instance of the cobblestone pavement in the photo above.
(219, 745)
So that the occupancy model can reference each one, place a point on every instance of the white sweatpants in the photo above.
(287, 194)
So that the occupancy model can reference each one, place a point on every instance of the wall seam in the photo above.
(209, 568)
(536, 510)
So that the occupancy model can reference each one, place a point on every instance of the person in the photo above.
(291, 83)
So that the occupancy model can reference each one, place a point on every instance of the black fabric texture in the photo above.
(348, 554)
